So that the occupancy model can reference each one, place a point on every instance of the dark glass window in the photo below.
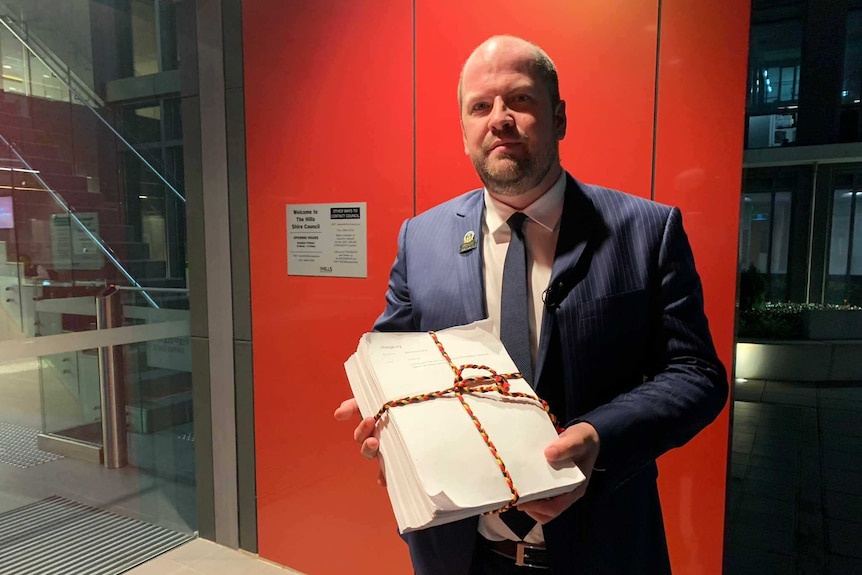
(852, 92)
(775, 55)
(173, 120)
(168, 35)
(765, 232)
(844, 283)
(143, 123)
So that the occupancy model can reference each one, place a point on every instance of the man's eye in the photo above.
(521, 98)
(479, 107)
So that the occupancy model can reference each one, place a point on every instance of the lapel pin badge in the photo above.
(469, 242)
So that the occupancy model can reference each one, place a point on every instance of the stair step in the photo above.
(21, 133)
(32, 152)
(51, 165)
(65, 182)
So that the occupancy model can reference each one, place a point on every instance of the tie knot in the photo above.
(516, 221)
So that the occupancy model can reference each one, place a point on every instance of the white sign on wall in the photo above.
(327, 240)
(71, 248)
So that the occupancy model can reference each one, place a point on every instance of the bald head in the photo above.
(535, 60)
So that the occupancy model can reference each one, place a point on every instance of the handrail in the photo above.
(109, 313)
(100, 243)
(36, 347)
(153, 289)
(9, 23)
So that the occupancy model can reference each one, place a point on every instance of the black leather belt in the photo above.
(522, 554)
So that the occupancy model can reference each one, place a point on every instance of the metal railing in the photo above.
(109, 313)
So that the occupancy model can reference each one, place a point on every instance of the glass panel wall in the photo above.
(53, 417)
(844, 281)
(91, 196)
(851, 94)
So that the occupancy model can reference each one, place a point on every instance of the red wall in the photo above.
(701, 83)
(330, 118)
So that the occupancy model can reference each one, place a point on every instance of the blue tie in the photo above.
(515, 333)
(515, 300)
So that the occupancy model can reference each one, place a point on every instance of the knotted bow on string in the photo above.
(474, 386)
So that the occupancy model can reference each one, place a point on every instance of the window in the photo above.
(765, 232)
(774, 59)
(844, 284)
(764, 239)
(775, 55)
(852, 91)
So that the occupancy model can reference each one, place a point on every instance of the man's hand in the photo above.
(580, 443)
(366, 434)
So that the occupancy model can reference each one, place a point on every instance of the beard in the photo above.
(509, 175)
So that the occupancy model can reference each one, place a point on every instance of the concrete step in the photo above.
(9, 106)
(32, 151)
(21, 133)
(50, 165)
(65, 183)
(13, 120)
(146, 269)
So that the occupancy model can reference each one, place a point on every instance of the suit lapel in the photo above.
(468, 267)
(578, 224)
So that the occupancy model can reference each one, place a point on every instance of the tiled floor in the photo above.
(200, 557)
(795, 497)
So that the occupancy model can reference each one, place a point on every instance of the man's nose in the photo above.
(501, 116)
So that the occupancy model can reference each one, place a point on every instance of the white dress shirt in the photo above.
(541, 229)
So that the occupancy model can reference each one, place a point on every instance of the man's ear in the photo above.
(560, 120)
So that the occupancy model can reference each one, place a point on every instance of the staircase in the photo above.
(73, 154)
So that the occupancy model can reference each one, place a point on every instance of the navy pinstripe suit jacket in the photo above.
(636, 360)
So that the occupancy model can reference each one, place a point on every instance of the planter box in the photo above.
(832, 324)
(799, 360)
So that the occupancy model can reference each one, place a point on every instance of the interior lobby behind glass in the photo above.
(96, 424)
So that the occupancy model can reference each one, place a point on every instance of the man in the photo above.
(618, 341)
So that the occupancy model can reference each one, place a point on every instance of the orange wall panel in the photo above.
(698, 162)
(328, 88)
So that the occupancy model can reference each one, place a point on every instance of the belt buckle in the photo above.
(522, 555)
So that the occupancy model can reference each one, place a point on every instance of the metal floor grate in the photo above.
(55, 535)
(18, 447)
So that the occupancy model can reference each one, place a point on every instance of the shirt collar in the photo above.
(545, 211)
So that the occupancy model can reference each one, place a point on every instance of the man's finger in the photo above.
(370, 448)
(545, 510)
(347, 410)
(364, 430)
(577, 442)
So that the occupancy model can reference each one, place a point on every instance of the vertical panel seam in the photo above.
(655, 102)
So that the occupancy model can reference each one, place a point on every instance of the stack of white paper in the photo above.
(438, 467)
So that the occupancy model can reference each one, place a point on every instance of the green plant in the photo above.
(769, 320)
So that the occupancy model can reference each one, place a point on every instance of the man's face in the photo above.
(510, 127)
